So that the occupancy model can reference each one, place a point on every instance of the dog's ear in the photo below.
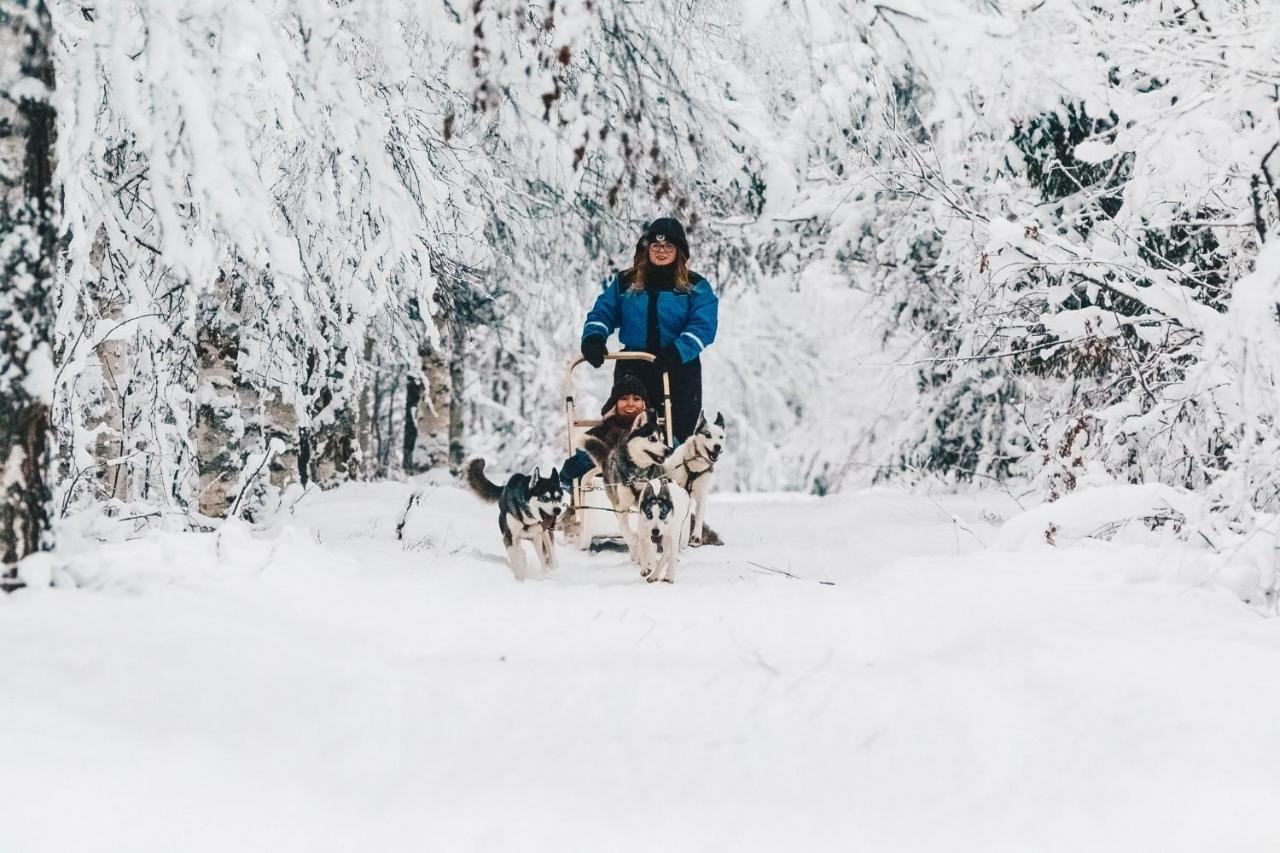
(702, 422)
(640, 421)
(720, 419)
(534, 478)
(554, 476)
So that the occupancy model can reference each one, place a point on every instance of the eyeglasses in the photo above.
(661, 242)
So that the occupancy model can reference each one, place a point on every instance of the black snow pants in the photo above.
(686, 392)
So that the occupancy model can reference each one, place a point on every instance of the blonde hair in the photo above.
(641, 266)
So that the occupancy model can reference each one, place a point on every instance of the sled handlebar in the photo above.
(616, 356)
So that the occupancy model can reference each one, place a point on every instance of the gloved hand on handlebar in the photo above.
(593, 350)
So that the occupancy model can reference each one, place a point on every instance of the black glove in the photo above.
(669, 358)
(593, 350)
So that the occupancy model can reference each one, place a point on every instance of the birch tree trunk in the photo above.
(28, 238)
(364, 460)
(427, 420)
(219, 427)
(457, 378)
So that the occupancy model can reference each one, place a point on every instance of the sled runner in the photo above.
(587, 499)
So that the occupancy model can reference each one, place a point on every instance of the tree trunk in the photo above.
(219, 427)
(27, 211)
(412, 396)
(113, 363)
(430, 419)
(239, 416)
(457, 450)
(328, 450)
(366, 418)
(282, 423)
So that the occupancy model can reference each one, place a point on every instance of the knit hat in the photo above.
(627, 383)
(667, 229)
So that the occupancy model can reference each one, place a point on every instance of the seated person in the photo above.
(626, 401)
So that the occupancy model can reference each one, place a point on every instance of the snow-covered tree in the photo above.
(266, 203)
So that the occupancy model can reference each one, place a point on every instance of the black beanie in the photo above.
(669, 228)
(627, 383)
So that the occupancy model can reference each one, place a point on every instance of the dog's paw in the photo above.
(651, 578)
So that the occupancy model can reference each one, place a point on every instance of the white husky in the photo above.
(692, 464)
(665, 510)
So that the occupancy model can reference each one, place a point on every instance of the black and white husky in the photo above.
(693, 464)
(528, 507)
(665, 522)
(627, 467)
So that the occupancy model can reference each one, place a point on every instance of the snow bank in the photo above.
(1092, 511)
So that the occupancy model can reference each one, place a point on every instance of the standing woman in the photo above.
(660, 307)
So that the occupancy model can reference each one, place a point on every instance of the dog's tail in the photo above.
(485, 489)
(596, 449)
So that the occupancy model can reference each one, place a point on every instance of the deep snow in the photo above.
(322, 686)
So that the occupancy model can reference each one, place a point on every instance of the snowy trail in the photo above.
(322, 686)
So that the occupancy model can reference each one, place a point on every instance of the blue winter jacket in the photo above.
(688, 319)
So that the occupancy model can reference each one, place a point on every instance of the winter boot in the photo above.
(709, 537)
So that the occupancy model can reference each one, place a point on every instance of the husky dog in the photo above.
(692, 465)
(665, 520)
(528, 507)
(627, 466)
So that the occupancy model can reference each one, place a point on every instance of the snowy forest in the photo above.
(252, 248)
(253, 252)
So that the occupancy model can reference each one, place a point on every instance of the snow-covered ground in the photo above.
(322, 686)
